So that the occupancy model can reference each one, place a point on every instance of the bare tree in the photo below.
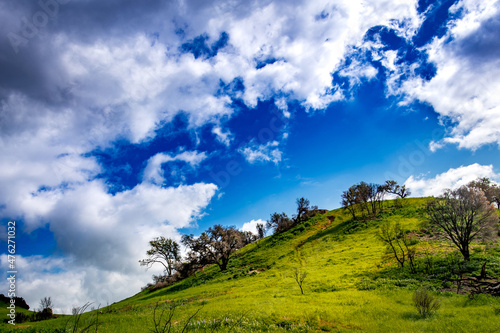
(463, 215)
(300, 275)
(45, 311)
(398, 243)
(164, 251)
(299, 272)
(46, 303)
(490, 189)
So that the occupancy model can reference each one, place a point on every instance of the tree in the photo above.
(279, 222)
(398, 243)
(364, 194)
(45, 308)
(164, 251)
(491, 190)
(299, 272)
(247, 237)
(302, 208)
(393, 187)
(463, 215)
(214, 246)
(46, 303)
(349, 200)
(261, 231)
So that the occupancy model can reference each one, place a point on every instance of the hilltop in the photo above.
(351, 283)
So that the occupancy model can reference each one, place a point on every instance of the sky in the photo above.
(121, 121)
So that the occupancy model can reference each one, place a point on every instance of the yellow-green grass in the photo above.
(351, 285)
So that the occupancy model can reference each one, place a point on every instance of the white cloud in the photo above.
(453, 178)
(72, 285)
(252, 225)
(262, 153)
(464, 90)
(222, 136)
(103, 236)
(357, 71)
(154, 172)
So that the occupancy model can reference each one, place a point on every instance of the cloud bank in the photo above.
(451, 179)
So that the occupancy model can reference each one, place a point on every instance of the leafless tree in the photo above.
(463, 215)
(300, 275)
(46, 303)
(490, 189)
(398, 243)
(299, 271)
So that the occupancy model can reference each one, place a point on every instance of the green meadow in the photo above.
(351, 284)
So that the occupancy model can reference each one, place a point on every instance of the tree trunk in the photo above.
(465, 253)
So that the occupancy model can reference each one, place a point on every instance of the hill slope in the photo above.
(351, 284)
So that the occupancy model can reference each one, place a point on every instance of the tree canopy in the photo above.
(164, 251)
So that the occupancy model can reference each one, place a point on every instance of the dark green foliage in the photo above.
(19, 301)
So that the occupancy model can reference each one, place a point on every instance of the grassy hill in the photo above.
(351, 284)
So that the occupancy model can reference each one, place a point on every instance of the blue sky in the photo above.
(121, 121)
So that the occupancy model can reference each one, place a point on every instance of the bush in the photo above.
(425, 302)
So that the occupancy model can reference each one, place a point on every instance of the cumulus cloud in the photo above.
(222, 136)
(107, 234)
(451, 179)
(463, 91)
(72, 285)
(154, 172)
(268, 152)
(252, 225)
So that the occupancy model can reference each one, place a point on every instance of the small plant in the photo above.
(77, 324)
(299, 272)
(425, 302)
(300, 275)
(163, 322)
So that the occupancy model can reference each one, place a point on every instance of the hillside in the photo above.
(351, 284)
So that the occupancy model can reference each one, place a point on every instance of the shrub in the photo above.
(425, 302)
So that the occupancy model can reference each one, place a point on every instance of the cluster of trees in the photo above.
(43, 313)
(213, 246)
(280, 222)
(19, 301)
(460, 216)
(368, 198)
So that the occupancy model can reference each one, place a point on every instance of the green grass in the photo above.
(351, 285)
